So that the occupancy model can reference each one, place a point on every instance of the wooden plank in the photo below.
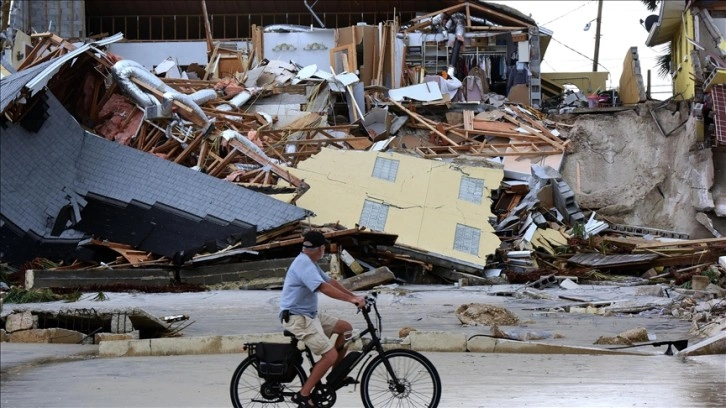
(153, 140)
(488, 125)
(191, 147)
(468, 120)
(202, 159)
(554, 144)
(217, 170)
(379, 69)
(421, 120)
(348, 51)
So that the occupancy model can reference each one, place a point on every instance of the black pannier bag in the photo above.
(277, 361)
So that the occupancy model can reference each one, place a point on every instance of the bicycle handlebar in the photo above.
(370, 302)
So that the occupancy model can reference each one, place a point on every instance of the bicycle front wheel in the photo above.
(247, 389)
(419, 384)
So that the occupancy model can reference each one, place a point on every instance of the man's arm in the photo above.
(335, 290)
(341, 288)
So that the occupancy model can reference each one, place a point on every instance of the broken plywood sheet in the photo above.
(493, 126)
(611, 261)
(409, 142)
(520, 167)
(367, 36)
(426, 92)
(519, 94)
(549, 239)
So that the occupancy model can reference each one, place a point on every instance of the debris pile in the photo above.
(258, 124)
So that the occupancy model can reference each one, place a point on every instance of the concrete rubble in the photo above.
(191, 177)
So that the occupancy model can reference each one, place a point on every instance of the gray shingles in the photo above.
(37, 166)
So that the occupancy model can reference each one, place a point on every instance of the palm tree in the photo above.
(664, 60)
(651, 5)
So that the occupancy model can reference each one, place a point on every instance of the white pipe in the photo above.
(127, 69)
(231, 134)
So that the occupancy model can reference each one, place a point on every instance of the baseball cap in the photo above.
(314, 239)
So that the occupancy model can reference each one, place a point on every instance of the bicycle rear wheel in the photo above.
(247, 389)
(419, 384)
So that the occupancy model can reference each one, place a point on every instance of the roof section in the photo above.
(61, 180)
(669, 20)
(13, 84)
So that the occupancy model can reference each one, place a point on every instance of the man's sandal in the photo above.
(303, 401)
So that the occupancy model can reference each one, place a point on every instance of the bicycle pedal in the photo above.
(349, 381)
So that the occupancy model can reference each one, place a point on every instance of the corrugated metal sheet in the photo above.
(599, 260)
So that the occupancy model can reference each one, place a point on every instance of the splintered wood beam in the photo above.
(217, 170)
(542, 128)
(495, 28)
(554, 144)
(487, 10)
(140, 139)
(191, 147)
(520, 149)
(265, 161)
(37, 50)
(166, 146)
(446, 10)
(203, 154)
(153, 140)
(424, 122)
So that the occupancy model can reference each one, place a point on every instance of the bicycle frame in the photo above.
(399, 385)
(374, 343)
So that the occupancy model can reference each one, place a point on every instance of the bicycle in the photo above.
(397, 377)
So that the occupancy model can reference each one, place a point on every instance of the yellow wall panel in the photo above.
(423, 203)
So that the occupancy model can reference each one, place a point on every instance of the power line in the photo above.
(579, 53)
(568, 13)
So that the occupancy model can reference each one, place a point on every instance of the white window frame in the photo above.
(467, 239)
(471, 189)
(374, 215)
(385, 169)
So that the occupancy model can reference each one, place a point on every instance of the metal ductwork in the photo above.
(126, 70)
(315, 16)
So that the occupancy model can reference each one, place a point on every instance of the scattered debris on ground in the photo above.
(154, 181)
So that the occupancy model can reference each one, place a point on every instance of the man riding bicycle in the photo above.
(299, 311)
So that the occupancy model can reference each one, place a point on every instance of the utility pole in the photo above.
(597, 36)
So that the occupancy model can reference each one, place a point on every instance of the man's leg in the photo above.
(315, 337)
(333, 325)
(319, 369)
(341, 328)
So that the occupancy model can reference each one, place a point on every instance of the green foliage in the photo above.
(100, 297)
(713, 275)
(663, 61)
(73, 297)
(578, 230)
(19, 295)
(651, 5)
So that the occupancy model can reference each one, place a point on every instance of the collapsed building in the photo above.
(410, 149)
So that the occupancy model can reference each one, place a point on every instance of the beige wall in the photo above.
(683, 84)
(423, 204)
